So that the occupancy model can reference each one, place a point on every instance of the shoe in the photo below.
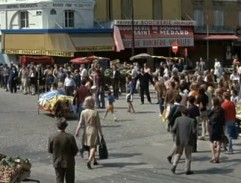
(115, 119)
(189, 172)
(88, 165)
(201, 138)
(169, 159)
(96, 163)
(194, 150)
(212, 161)
(229, 152)
(173, 169)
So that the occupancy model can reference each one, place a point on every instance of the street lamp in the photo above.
(207, 27)
(133, 29)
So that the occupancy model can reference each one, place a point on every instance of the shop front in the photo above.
(156, 34)
(63, 45)
(215, 46)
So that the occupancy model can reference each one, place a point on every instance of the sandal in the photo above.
(212, 161)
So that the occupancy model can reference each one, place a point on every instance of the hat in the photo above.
(61, 123)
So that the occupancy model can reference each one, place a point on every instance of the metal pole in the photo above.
(38, 93)
(133, 29)
(207, 27)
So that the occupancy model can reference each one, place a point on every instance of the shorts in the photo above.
(110, 108)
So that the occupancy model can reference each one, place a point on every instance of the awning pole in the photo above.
(133, 29)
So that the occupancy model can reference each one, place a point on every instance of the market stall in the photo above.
(238, 116)
(57, 104)
(14, 170)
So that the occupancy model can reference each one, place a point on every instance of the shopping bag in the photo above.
(103, 151)
(164, 119)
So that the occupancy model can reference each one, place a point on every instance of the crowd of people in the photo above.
(205, 97)
(186, 99)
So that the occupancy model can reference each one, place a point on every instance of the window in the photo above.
(198, 17)
(69, 18)
(218, 18)
(24, 20)
(53, 12)
(126, 9)
(157, 9)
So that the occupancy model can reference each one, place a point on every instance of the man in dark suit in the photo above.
(184, 130)
(115, 81)
(64, 149)
(144, 79)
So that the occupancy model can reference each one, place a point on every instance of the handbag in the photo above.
(103, 151)
(224, 139)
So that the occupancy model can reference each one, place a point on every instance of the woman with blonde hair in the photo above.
(90, 121)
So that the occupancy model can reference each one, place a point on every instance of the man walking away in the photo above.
(144, 79)
(64, 149)
(184, 130)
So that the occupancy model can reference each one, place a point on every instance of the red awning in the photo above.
(38, 60)
(118, 40)
(219, 37)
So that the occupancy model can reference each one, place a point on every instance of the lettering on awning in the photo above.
(39, 52)
(95, 48)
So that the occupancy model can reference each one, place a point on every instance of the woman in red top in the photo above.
(230, 118)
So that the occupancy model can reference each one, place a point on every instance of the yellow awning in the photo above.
(93, 42)
(38, 44)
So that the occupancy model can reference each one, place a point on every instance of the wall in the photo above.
(143, 10)
(171, 9)
(84, 16)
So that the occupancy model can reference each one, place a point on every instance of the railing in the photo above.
(214, 29)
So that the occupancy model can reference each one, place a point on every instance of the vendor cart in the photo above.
(57, 105)
(15, 170)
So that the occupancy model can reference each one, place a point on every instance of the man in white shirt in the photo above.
(83, 72)
(69, 85)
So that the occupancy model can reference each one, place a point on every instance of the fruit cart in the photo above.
(15, 170)
(57, 105)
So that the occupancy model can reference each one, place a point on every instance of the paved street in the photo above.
(138, 146)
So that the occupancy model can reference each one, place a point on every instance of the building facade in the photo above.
(157, 24)
(58, 28)
(217, 28)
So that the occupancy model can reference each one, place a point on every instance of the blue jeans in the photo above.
(229, 125)
(161, 102)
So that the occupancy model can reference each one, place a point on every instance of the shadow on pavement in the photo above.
(144, 112)
(214, 171)
(120, 165)
(123, 155)
(124, 120)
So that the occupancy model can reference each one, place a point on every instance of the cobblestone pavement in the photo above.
(138, 145)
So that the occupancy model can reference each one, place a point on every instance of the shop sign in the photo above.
(159, 36)
(84, 5)
(39, 52)
(160, 42)
(155, 22)
(95, 48)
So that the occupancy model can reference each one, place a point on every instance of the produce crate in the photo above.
(8, 174)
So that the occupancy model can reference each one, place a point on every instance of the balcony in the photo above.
(214, 29)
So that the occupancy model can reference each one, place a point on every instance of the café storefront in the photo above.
(61, 44)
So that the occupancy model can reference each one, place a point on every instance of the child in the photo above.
(110, 106)
(129, 96)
